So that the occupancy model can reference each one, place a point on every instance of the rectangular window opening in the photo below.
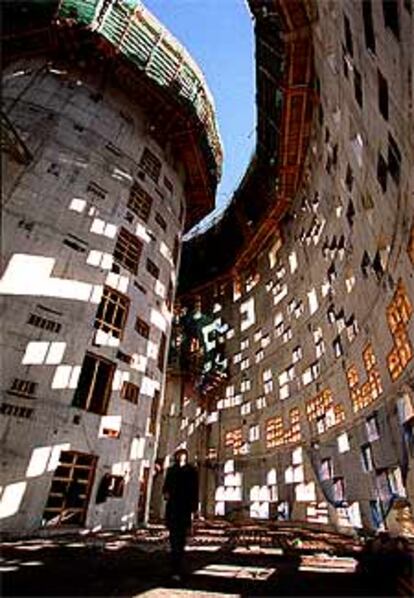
(95, 383)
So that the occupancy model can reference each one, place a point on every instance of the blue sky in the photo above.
(219, 36)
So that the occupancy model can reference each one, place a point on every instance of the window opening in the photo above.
(94, 386)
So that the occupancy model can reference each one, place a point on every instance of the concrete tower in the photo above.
(112, 151)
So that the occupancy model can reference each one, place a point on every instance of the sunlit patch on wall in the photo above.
(106, 339)
(77, 204)
(100, 259)
(100, 227)
(11, 499)
(149, 386)
(137, 449)
(117, 282)
(32, 275)
(139, 362)
(45, 458)
(123, 468)
(158, 320)
(120, 377)
(44, 352)
(66, 376)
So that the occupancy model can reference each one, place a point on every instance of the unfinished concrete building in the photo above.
(291, 367)
(290, 375)
(112, 152)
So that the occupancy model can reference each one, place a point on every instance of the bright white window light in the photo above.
(123, 284)
(272, 255)
(264, 494)
(245, 386)
(284, 392)
(254, 493)
(254, 433)
(297, 456)
(313, 301)
(229, 480)
(267, 375)
(237, 480)
(229, 466)
(212, 417)
(268, 387)
(343, 443)
(230, 391)
(305, 492)
(357, 145)
(219, 495)
(245, 364)
(35, 353)
(293, 262)
(307, 377)
(272, 477)
(298, 474)
(280, 293)
(260, 510)
(289, 475)
(283, 378)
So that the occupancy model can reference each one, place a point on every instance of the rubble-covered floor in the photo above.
(220, 561)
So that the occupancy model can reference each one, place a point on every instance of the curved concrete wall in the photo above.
(314, 421)
(64, 214)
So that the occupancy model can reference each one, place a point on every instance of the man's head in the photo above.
(181, 457)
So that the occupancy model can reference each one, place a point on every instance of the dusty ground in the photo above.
(136, 563)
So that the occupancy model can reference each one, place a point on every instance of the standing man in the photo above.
(181, 493)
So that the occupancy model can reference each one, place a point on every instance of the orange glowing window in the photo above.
(410, 246)
(399, 313)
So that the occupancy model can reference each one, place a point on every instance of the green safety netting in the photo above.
(142, 39)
